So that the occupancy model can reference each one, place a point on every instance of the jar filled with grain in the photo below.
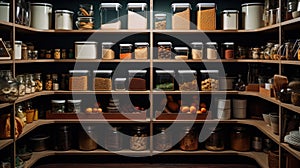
(137, 16)
(209, 80)
(125, 51)
(102, 79)
(110, 16)
(139, 138)
(87, 139)
(164, 50)
(137, 80)
(211, 50)
(181, 16)
(78, 80)
(160, 21)
(228, 50)
(206, 16)
(141, 50)
(240, 139)
(189, 142)
(182, 53)
(107, 51)
(197, 50)
(188, 80)
(216, 140)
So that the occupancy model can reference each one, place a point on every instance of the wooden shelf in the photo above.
(81, 61)
(290, 22)
(291, 107)
(102, 92)
(294, 152)
(29, 127)
(195, 92)
(6, 61)
(257, 94)
(5, 142)
(288, 62)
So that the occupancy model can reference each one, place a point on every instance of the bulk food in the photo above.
(137, 15)
(102, 79)
(181, 16)
(141, 50)
(110, 13)
(78, 80)
(206, 16)
(160, 21)
(107, 52)
(164, 50)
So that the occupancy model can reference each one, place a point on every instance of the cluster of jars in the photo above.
(56, 54)
(29, 83)
(9, 91)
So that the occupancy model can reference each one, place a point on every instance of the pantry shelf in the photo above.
(291, 22)
(6, 61)
(287, 62)
(102, 92)
(195, 92)
(294, 152)
(291, 107)
(5, 142)
(113, 121)
(257, 94)
(29, 127)
(80, 60)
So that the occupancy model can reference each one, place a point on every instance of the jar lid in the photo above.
(64, 11)
(74, 101)
(110, 5)
(58, 101)
(79, 71)
(86, 42)
(18, 42)
(120, 79)
(125, 45)
(165, 71)
(137, 71)
(187, 71)
(4, 4)
(160, 15)
(197, 43)
(137, 5)
(64, 127)
(209, 71)
(102, 71)
(180, 5)
(164, 43)
(206, 5)
(228, 43)
(211, 43)
(181, 48)
(41, 4)
(254, 3)
(108, 43)
(141, 44)
(230, 11)
(85, 18)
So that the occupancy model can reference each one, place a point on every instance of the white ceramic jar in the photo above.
(41, 14)
(230, 19)
(86, 50)
(4, 11)
(252, 15)
(18, 50)
(64, 20)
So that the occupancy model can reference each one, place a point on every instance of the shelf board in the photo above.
(290, 62)
(70, 121)
(6, 61)
(194, 92)
(294, 152)
(29, 127)
(80, 60)
(257, 94)
(5, 142)
(102, 92)
(291, 107)
(290, 22)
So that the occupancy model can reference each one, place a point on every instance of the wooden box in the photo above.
(265, 92)
(182, 116)
(252, 87)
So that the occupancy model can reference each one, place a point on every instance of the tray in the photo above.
(182, 116)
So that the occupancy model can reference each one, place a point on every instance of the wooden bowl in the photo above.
(295, 98)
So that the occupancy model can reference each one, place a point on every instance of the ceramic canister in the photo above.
(252, 15)
(41, 14)
(4, 11)
(63, 20)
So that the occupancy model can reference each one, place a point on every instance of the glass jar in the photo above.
(211, 50)
(9, 89)
(20, 113)
(257, 144)
(58, 106)
(27, 84)
(78, 80)
(42, 54)
(165, 80)
(71, 54)
(181, 16)
(63, 138)
(188, 80)
(29, 110)
(87, 139)
(239, 84)
(110, 16)
(24, 52)
(22, 86)
(190, 140)
(291, 7)
(160, 20)
(139, 139)
(86, 10)
(255, 53)
(55, 84)
(164, 50)
(56, 54)
(125, 51)
(162, 140)
(48, 54)
(85, 23)
(73, 106)
(38, 82)
(48, 82)
(228, 50)
(107, 51)
(137, 80)
(242, 52)
(182, 53)
(240, 139)
(29, 53)
(206, 16)
(137, 16)
(63, 53)
(35, 54)
(274, 53)
(120, 84)
(267, 51)
(288, 51)
(141, 50)
(102, 79)
(215, 141)
(64, 82)
(33, 84)
(197, 50)
(113, 139)
(209, 80)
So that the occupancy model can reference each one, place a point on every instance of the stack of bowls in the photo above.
(239, 108)
(224, 109)
(293, 139)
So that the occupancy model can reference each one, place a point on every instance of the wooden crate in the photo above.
(252, 87)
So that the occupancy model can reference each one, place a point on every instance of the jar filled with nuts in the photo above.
(209, 80)
(164, 50)
(21, 80)
(139, 138)
(38, 81)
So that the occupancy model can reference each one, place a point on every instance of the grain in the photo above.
(78, 83)
(181, 20)
(206, 19)
(197, 54)
(102, 83)
(108, 54)
(141, 53)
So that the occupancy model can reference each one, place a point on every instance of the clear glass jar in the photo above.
(228, 50)
(137, 80)
(160, 21)
(35, 54)
(120, 84)
(24, 52)
(56, 54)
(141, 50)
(110, 16)
(274, 54)
(181, 16)
(288, 51)
(242, 52)
(188, 80)
(38, 82)
(165, 80)
(48, 54)
(164, 50)
(211, 50)
(209, 80)
(86, 10)
(125, 51)
(240, 139)
(182, 53)
(48, 82)
(9, 89)
(22, 86)
(216, 140)
(20, 113)
(85, 23)
(55, 85)
(239, 84)
(27, 84)
(255, 53)
(197, 50)
(33, 84)
(78, 80)
(102, 79)
(73, 106)
(63, 53)
(139, 138)
(267, 51)
(206, 16)
(63, 138)
(137, 16)
(257, 143)
(58, 106)
(87, 139)
(190, 140)
(113, 139)
(163, 140)
(107, 51)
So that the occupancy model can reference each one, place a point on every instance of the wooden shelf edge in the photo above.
(5, 142)
(292, 21)
(81, 61)
(292, 151)
(29, 127)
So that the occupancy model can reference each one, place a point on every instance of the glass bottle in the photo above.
(63, 54)
(163, 140)
(22, 86)
(63, 138)
(190, 140)
(113, 139)
(48, 82)
(71, 54)
(139, 139)
(33, 84)
(38, 82)
(274, 52)
(240, 85)
(55, 84)
(267, 51)
(27, 84)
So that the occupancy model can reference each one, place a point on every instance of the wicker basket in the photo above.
(273, 159)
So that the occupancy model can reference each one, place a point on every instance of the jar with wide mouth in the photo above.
(164, 50)
(230, 19)
(102, 79)
(41, 15)
(240, 139)
(113, 139)
(197, 50)
(78, 80)
(139, 138)
(110, 16)
(252, 17)
(125, 51)
(274, 53)
(228, 50)
(137, 16)
(64, 20)
(86, 49)
(181, 16)
(163, 139)
(160, 21)
(182, 53)
(58, 106)
(87, 140)
(165, 80)
(107, 52)
(188, 80)
(120, 84)
(209, 80)
(216, 140)
(85, 23)
(206, 16)
(22, 86)
(63, 138)
(141, 50)
(137, 80)
(189, 142)
(4, 8)
(211, 50)
(74, 106)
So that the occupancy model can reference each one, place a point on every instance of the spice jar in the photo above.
(110, 16)
(73, 106)
(242, 52)
(215, 141)
(120, 84)
(141, 50)
(42, 54)
(137, 80)
(228, 50)
(188, 80)
(274, 53)
(48, 54)
(164, 50)
(137, 16)
(189, 142)
(288, 51)
(182, 53)
(29, 112)
(24, 52)
(29, 54)
(165, 80)
(27, 84)
(58, 106)
(197, 50)
(64, 82)
(113, 139)
(257, 144)
(125, 51)
(56, 54)
(267, 51)
(63, 138)
(38, 82)
(22, 85)
(139, 138)
(55, 84)
(255, 53)
(107, 51)
(206, 16)
(160, 21)
(48, 82)
(87, 139)
(211, 50)
(102, 79)
(181, 16)
(240, 139)
(162, 140)
(209, 80)
(63, 54)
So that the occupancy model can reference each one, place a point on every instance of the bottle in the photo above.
(240, 85)
(55, 82)
(48, 82)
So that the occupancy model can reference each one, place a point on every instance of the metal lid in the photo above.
(165, 71)
(4, 4)
(141, 44)
(108, 43)
(180, 5)
(160, 15)
(41, 4)
(74, 101)
(254, 3)
(110, 5)
(209, 71)
(58, 101)
(228, 43)
(85, 18)
(196, 43)
(18, 42)
(164, 43)
(230, 11)
(181, 48)
(125, 45)
(79, 71)
(102, 71)
(211, 43)
(207, 5)
(120, 79)
(187, 71)
(86, 42)
(64, 11)
(137, 71)
(137, 5)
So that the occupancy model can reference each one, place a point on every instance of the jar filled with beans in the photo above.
(139, 138)
(164, 50)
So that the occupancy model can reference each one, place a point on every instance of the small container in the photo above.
(209, 80)
(113, 139)
(64, 20)
(73, 106)
(257, 144)
(188, 80)
(86, 50)
(63, 53)
(228, 50)
(211, 50)
(78, 80)
(48, 82)
(226, 83)
(164, 50)
(55, 82)
(41, 15)
(4, 11)
(230, 20)
(242, 52)
(102, 79)
(39, 142)
(197, 50)
(139, 139)
(48, 54)
(56, 54)
(182, 53)
(141, 50)
(71, 54)
(58, 106)
(107, 51)
(267, 51)
(163, 140)
(165, 80)
(224, 114)
(206, 16)
(34, 54)
(239, 108)
(137, 80)
(63, 138)
(28, 84)
(24, 52)
(216, 140)
(18, 50)
(160, 21)
(181, 16)
(240, 139)
(87, 139)
(110, 16)
(22, 86)
(120, 84)
(137, 16)
(85, 23)
(255, 53)
(252, 15)
(189, 142)
(125, 51)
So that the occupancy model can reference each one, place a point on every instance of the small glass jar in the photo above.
(189, 142)
(27, 84)
(63, 138)
(165, 80)
(113, 139)
(209, 80)
(228, 50)
(267, 51)
(73, 106)
(240, 139)
(181, 16)
(48, 54)
(182, 53)
(24, 52)
(107, 51)
(35, 54)
(216, 140)
(48, 82)
(56, 54)
(85, 23)
(255, 53)
(33, 84)
(257, 143)
(120, 84)
(197, 50)
(206, 16)
(211, 50)
(125, 51)
(288, 50)
(242, 52)
(163, 140)
(78, 80)
(164, 50)
(42, 54)
(141, 50)
(139, 139)
(274, 55)
(29, 54)
(58, 106)
(87, 139)
(71, 54)
(22, 85)
(102, 79)
(110, 16)
(188, 80)
(137, 80)
(160, 21)
(55, 83)
(63, 53)
(38, 82)
(137, 16)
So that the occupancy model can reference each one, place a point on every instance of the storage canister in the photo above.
(18, 50)
(120, 84)
(78, 80)
(41, 14)
(216, 140)
(209, 80)
(137, 79)
(188, 80)
(137, 16)
(239, 108)
(141, 50)
(39, 142)
(107, 51)
(252, 15)
(87, 139)
(197, 50)
(85, 23)
(73, 106)
(63, 20)
(113, 139)
(206, 16)
(189, 142)
(182, 53)
(230, 19)
(125, 51)
(211, 50)
(63, 138)
(226, 83)
(110, 16)
(240, 139)
(86, 50)
(58, 106)
(224, 109)
(181, 16)
(162, 140)
(165, 79)
(228, 50)
(164, 50)
(160, 21)
(102, 79)
(139, 138)
(4, 11)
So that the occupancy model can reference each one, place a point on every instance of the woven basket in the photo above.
(273, 159)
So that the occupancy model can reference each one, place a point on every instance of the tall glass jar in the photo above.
(240, 139)
(228, 50)
(162, 140)
(22, 87)
(267, 51)
(113, 139)
(197, 50)
(110, 16)
(274, 52)
(38, 82)
(125, 51)
(139, 139)
(288, 51)
(211, 50)
(33, 84)
(63, 138)
(48, 82)
(215, 141)
(87, 139)
(190, 140)
(27, 84)
(9, 89)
